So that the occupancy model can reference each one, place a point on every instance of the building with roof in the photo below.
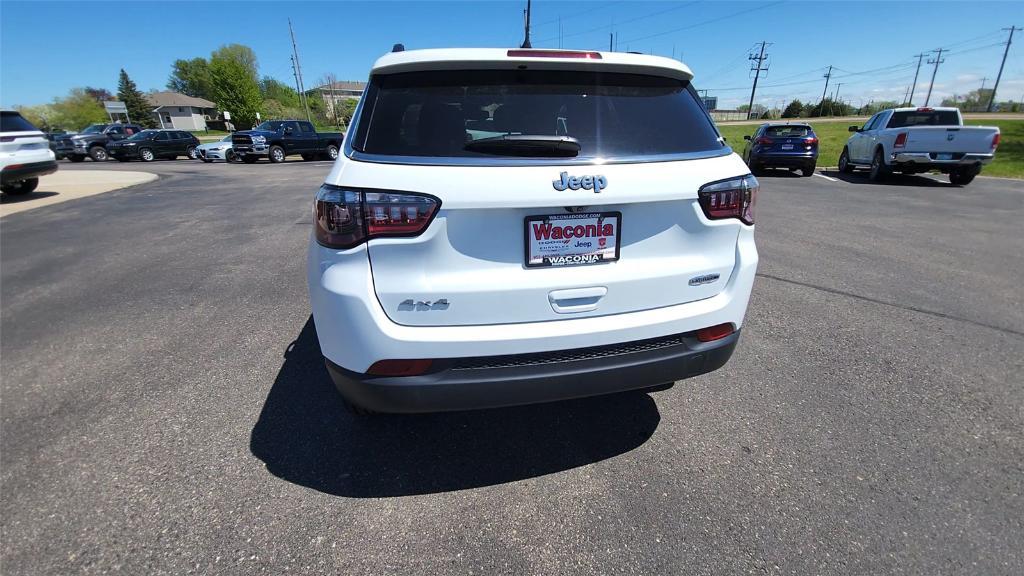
(180, 111)
(339, 91)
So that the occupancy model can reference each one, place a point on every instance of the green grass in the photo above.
(832, 136)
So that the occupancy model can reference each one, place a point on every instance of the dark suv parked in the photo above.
(782, 145)
(93, 141)
(149, 145)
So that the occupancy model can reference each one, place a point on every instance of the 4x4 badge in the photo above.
(595, 183)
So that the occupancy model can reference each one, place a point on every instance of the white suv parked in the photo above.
(25, 154)
(516, 226)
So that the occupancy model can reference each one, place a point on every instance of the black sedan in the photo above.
(149, 145)
(778, 145)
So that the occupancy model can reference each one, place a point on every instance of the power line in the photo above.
(580, 13)
(711, 21)
(914, 85)
(298, 72)
(756, 69)
(614, 24)
(992, 99)
(938, 60)
(827, 76)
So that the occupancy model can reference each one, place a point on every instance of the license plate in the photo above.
(943, 156)
(572, 239)
(787, 146)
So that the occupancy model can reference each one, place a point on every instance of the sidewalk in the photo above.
(70, 185)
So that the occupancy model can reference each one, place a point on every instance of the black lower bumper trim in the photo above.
(19, 172)
(455, 387)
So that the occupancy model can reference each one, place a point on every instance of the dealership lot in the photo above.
(165, 409)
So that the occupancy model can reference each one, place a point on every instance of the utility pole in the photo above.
(825, 91)
(910, 101)
(905, 94)
(835, 97)
(992, 100)
(298, 72)
(526, 15)
(938, 60)
(610, 39)
(756, 68)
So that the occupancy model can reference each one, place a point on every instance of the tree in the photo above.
(273, 89)
(42, 116)
(138, 107)
(191, 77)
(101, 95)
(829, 107)
(973, 101)
(240, 54)
(235, 89)
(793, 109)
(73, 112)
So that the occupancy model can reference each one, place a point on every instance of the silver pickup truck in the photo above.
(915, 140)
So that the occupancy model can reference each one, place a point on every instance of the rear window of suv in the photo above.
(13, 122)
(788, 131)
(933, 118)
(612, 115)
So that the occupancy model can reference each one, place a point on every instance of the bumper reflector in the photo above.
(713, 333)
(399, 367)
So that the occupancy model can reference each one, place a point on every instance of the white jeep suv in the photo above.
(516, 226)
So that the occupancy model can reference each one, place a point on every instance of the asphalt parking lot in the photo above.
(165, 410)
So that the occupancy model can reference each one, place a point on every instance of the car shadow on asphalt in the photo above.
(861, 177)
(8, 199)
(305, 436)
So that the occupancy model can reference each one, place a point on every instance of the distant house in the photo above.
(181, 112)
(337, 91)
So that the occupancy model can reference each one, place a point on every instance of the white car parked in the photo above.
(915, 140)
(25, 154)
(516, 226)
(219, 150)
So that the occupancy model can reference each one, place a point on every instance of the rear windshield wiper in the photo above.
(527, 145)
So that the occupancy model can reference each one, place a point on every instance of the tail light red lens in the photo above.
(734, 198)
(901, 140)
(345, 218)
(995, 141)
(811, 141)
(764, 141)
(712, 333)
(400, 367)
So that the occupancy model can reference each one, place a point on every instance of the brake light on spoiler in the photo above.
(554, 54)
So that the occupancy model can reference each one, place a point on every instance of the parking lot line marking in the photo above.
(829, 178)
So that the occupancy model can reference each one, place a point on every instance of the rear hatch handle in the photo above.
(575, 300)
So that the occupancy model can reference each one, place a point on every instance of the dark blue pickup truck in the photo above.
(277, 139)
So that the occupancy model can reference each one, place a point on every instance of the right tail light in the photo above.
(344, 218)
(733, 198)
(995, 141)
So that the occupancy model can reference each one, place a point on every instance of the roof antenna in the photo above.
(526, 13)
(398, 48)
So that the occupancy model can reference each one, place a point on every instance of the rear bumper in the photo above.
(784, 159)
(19, 172)
(528, 379)
(354, 331)
(929, 159)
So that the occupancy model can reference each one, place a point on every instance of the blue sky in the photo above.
(46, 47)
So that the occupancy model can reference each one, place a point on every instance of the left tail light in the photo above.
(345, 218)
(995, 141)
(733, 198)
(901, 140)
